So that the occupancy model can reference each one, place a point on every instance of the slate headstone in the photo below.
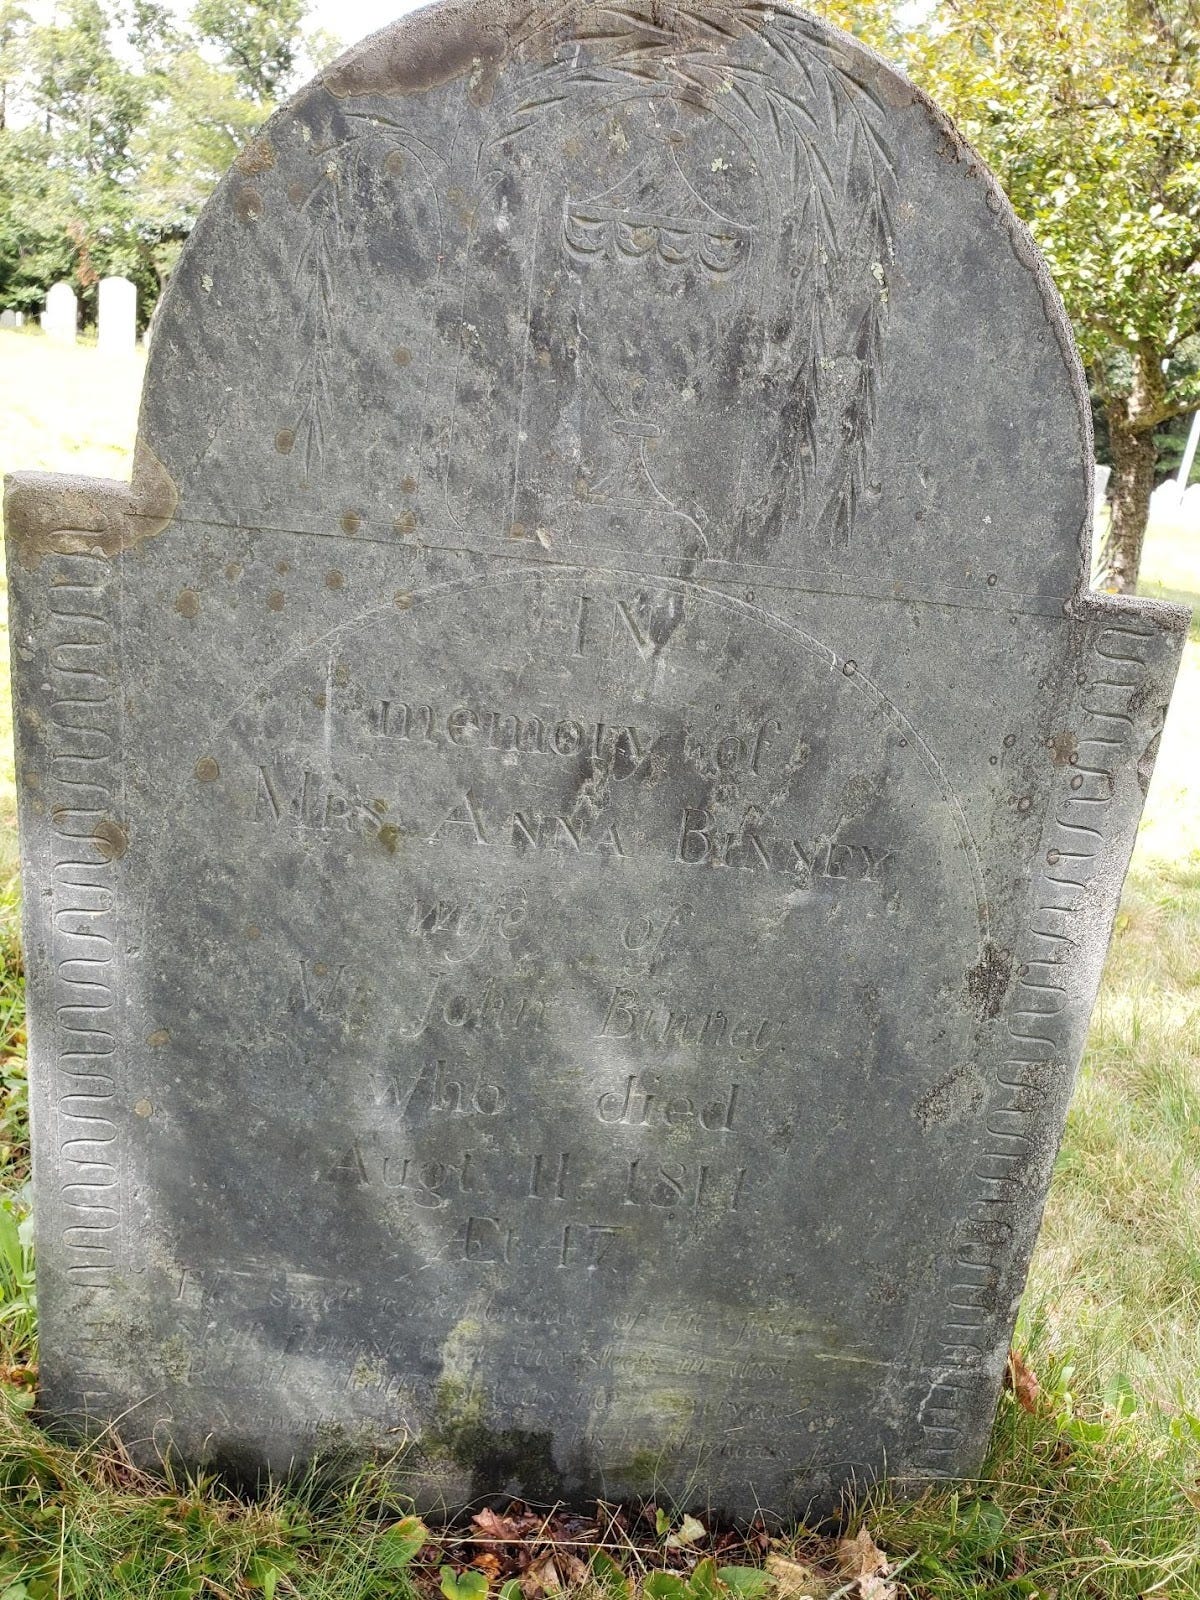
(117, 323)
(573, 809)
(61, 317)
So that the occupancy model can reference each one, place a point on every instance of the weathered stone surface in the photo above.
(572, 813)
(117, 315)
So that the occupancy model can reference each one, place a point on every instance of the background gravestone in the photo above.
(573, 809)
(8, 319)
(117, 320)
(61, 317)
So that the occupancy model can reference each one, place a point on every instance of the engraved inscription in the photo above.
(436, 1093)
(587, 1245)
(555, 1034)
(309, 800)
(642, 1103)
(503, 1007)
(625, 751)
(458, 930)
(702, 843)
(631, 1015)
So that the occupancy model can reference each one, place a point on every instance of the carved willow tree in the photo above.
(1088, 112)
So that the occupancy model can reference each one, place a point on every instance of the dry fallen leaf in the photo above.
(794, 1580)
(862, 1561)
(492, 1526)
(861, 1557)
(1022, 1382)
(572, 1569)
(875, 1589)
(689, 1530)
(541, 1579)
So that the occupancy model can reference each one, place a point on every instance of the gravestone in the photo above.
(8, 319)
(60, 319)
(117, 320)
(573, 808)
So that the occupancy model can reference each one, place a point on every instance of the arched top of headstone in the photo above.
(787, 318)
(61, 316)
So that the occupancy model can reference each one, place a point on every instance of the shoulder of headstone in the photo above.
(54, 513)
(1142, 612)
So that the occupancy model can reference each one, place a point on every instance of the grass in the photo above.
(1091, 1487)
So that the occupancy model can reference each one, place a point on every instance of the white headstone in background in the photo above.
(1166, 500)
(118, 315)
(62, 313)
(1189, 507)
(8, 319)
(20, 316)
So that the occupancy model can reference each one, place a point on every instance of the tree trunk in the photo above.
(1132, 419)
(1134, 457)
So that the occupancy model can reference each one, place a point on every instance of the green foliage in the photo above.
(87, 100)
(36, 248)
(707, 1581)
(701, 1583)
(1089, 115)
(18, 1299)
(115, 125)
(85, 1524)
(258, 38)
(468, 1585)
(1088, 112)
(748, 1582)
(15, 22)
(397, 1547)
(610, 1577)
(1076, 1501)
(14, 1089)
(200, 125)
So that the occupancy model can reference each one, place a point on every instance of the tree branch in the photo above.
(1169, 410)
